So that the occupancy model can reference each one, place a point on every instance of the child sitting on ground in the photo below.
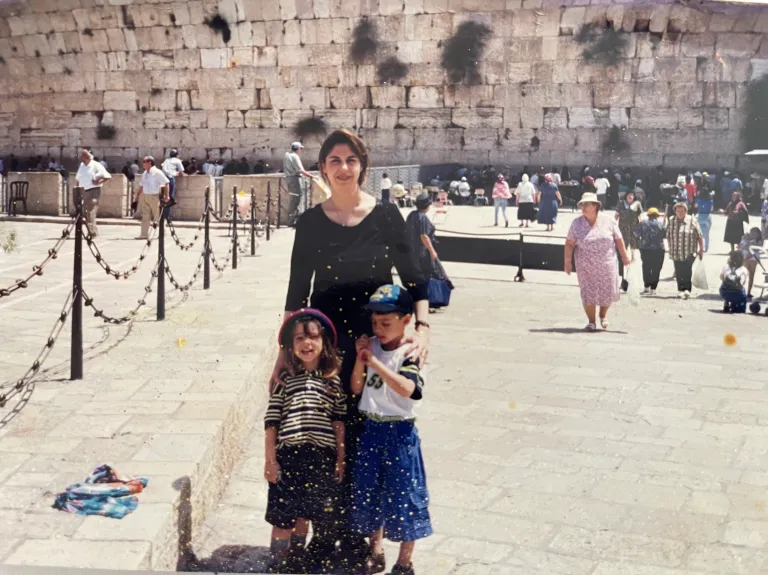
(390, 486)
(734, 277)
(304, 437)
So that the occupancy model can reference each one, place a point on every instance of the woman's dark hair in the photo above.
(385, 175)
(358, 147)
(330, 362)
(736, 259)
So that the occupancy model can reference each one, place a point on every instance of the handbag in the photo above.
(438, 292)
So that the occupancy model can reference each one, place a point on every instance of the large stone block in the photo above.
(424, 97)
(424, 118)
(576, 95)
(719, 95)
(478, 117)
(342, 98)
(661, 119)
(481, 139)
(555, 118)
(716, 118)
(738, 45)
(691, 118)
(541, 95)
(190, 196)
(612, 95)
(684, 95)
(44, 192)
(588, 118)
(438, 139)
(649, 95)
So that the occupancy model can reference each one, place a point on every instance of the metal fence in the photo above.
(409, 175)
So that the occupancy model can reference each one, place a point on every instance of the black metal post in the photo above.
(269, 210)
(279, 202)
(207, 244)
(161, 268)
(253, 221)
(520, 277)
(234, 227)
(76, 352)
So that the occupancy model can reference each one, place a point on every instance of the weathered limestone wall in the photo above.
(164, 79)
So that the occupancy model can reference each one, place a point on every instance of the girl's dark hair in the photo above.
(330, 362)
(385, 175)
(355, 143)
(736, 259)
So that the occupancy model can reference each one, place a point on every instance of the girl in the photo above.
(501, 195)
(304, 437)
(734, 276)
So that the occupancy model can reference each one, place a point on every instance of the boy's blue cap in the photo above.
(390, 298)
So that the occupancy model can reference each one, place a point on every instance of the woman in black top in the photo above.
(348, 245)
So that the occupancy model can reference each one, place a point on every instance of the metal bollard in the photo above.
(161, 269)
(269, 210)
(76, 348)
(279, 203)
(234, 227)
(207, 244)
(253, 221)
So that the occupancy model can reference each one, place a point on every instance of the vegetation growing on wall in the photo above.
(391, 70)
(218, 24)
(754, 134)
(602, 44)
(106, 132)
(310, 127)
(364, 42)
(463, 51)
(615, 141)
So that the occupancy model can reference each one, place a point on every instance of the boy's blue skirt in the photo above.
(390, 485)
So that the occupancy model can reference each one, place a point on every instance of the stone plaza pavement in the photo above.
(637, 451)
(170, 401)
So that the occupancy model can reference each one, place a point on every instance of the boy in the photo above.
(390, 489)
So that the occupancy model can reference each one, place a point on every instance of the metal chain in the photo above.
(89, 239)
(225, 218)
(88, 301)
(195, 275)
(38, 269)
(225, 265)
(16, 388)
(175, 236)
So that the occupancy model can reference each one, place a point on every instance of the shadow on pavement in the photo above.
(233, 559)
(574, 330)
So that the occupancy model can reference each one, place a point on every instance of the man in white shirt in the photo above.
(386, 188)
(464, 190)
(90, 175)
(153, 183)
(293, 170)
(172, 168)
(601, 185)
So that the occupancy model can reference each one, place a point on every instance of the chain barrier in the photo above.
(89, 239)
(88, 301)
(195, 275)
(225, 265)
(226, 218)
(175, 236)
(17, 387)
(37, 270)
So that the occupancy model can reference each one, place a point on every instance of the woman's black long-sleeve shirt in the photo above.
(348, 264)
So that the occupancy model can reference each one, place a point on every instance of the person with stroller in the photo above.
(734, 277)
(750, 246)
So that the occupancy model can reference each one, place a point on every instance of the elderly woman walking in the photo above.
(549, 200)
(650, 240)
(501, 195)
(685, 241)
(594, 239)
(737, 215)
(526, 196)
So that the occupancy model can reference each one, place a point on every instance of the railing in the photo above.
(79, 297)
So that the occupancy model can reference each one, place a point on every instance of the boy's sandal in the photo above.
(375, 564)
(590, 327)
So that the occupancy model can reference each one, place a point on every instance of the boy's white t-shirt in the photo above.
(602, 185)
(378, 399)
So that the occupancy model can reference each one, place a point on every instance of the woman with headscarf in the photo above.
(650, 241)
(526, 196)
(501, 195)
(685, 241)
(594, 238)
(549, 200)
(421, 232)
(737, 215)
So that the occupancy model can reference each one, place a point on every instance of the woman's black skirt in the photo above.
(525, 211)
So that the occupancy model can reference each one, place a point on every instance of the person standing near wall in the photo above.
(172, 168)
(386, 188)
(293, 170)
(153, 183)
(90, 176)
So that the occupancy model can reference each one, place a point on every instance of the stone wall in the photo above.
(163, 78)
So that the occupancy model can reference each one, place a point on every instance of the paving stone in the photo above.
(141, 525)
(82, 554)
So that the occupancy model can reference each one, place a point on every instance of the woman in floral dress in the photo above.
(594, 239)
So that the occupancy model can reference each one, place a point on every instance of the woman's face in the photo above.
(630, 197)
(342, 167)
(589, 209)
(735, 197)
(680, 212)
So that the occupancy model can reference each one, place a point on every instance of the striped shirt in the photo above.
(303, 408)
(683, 237)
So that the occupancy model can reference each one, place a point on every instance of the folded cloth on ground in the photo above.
(105, 492)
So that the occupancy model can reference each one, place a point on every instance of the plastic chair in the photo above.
(480, 197)
(18, 192)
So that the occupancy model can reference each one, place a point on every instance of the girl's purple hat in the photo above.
(286, 331)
